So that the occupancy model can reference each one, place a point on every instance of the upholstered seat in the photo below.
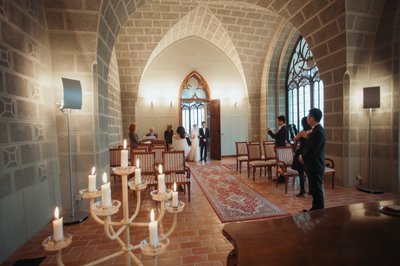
(176, 170)
(284, 156)
(255, 159)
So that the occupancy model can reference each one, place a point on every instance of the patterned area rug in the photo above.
(231, 199)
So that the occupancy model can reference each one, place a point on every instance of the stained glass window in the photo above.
(305, 90)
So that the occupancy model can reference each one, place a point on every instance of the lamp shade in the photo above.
(372, 98)
(72, 93)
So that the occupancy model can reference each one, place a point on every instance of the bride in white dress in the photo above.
(194, 155)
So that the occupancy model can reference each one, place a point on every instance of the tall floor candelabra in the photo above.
(120, 231)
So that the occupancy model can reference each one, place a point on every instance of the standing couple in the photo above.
(199, 137)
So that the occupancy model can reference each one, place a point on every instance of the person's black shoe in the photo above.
(301, 194)
(205, 160)
(305, 210)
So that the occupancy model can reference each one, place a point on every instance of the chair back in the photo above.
(269, 150)
(115, 157)
(254, 151)
(159, 154)
(284, 154)
(174, 162)
(137, 150)
(241, 148)
(146, 162)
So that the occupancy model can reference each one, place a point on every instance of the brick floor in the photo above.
(197, 239)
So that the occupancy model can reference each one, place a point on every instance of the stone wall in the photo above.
(29, 173)
(372, 59)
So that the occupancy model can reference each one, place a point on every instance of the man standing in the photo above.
(313, 158)
(204, 134)
(282, 135)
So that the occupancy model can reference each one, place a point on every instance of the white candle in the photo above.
(105, 192)
(153, 229)
(124, 156)
(57, 226)
(92, 180)
(138, 173)
(161, 180)
(175, 197)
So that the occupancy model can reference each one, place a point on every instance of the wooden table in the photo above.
(357, 234)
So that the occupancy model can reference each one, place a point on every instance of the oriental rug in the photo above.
(231, 199)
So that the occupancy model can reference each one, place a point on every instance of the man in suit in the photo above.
(204, 134)
(313, 158)
(281, 136)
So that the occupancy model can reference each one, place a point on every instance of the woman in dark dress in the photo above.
(133, 136)
(300, 139)
(168, 135)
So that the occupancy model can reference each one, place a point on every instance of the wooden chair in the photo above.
(284, 157)
(176, 170)
(241, 154)
(159, 154)
(270, 156)
(146, 161)
(136, 150)
(255, 159)
(115, 161)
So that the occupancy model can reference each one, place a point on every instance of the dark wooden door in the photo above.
(215, 130)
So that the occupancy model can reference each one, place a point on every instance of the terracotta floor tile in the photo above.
(197, 239)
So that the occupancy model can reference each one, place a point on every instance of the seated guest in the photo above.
(179, 142)
(168, 133)
(152, 134)
(281, 136)
(134, 138)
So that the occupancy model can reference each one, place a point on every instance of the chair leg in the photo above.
(333, 180)
(254, 174)
(240, 167)
(248, 170)
(286, 183)
(237, 165)
(188, 188)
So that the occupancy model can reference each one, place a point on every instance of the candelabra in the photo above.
(103, 216)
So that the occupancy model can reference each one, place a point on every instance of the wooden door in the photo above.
(215, 130)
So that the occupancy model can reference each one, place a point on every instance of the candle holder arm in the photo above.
(109, 229)
(137, 208)
(172, 229)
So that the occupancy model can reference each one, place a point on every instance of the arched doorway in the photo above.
(194, 99)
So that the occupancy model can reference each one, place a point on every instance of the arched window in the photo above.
(194, 99)
(305, 90)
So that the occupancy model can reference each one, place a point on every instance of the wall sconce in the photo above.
(170, 104)
(235, 104)
(151, 104)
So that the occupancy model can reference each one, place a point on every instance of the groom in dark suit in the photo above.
(204, 134)
(313, 158)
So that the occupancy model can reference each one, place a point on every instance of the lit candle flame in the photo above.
(152, 215)
(174, 186)
(104, 178)
(124, 144)
(56, 213)
(160, 169)
(137, 163)
(93, 170)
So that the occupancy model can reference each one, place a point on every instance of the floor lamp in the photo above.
(371, 101)
(72, 100)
